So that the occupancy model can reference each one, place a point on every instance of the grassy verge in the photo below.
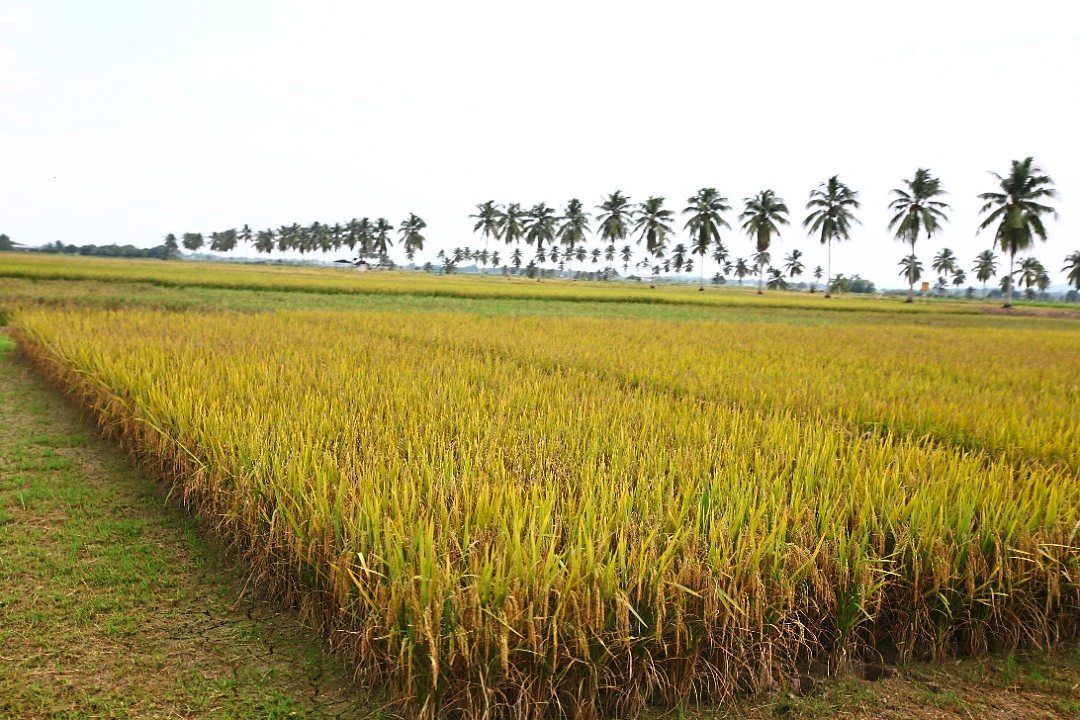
(112, 605)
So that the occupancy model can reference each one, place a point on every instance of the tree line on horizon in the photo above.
(1014, 210)
(367, 238)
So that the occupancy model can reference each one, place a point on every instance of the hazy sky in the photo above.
(122, 121)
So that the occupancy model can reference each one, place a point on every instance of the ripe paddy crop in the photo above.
(337, 281)
(535, 516)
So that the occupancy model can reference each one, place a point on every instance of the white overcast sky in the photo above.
(122, 121)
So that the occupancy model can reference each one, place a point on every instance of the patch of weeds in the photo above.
(946, 700)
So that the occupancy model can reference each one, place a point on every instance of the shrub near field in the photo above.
(489, 531)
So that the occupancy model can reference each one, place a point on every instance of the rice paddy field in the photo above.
(503, 498)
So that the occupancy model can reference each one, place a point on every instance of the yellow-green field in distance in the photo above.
(548, 511)
(328, 280)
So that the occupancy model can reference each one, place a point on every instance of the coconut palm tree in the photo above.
(614, 217)
(381, 241)
(1072, 269)
(776, 280)
(678, 257)
(246, 234)
(516, 259)
(172, 247)
(573, 225)
(817, 274)
(626, 255)
(741, 269)
(761, 259)
(192, 241)
(1017, 208)
(489, 220)
(1042, 281)
(761, 217)
(706, 208)
(1028, 273)
(917, 212)
(959, 277)
(539, 225)
(832, 207)
(512, 227)
(412, 238)
(793, 265)
(652, 223)
(720, 256)
(911, 269)
(579, 253)
(366, 236)
(264, 241)
(985, 267)
(944, 262)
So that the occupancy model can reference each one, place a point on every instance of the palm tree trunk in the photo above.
(1008, 285)
(761, 280)
(911, 280)
(701, 284)
(828, 268)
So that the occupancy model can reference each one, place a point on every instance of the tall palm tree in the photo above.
(705, 208)
(944, 262)
(489, 221)
(741, 269)
(652, 223)
(412, 238)
(1017, 209)
(1028, 273)
(761, 259)
(573, 225)
(539, 225)
(365, 234)
(192, 241)
(917, 212)
(720, 256)
(172, 247)
(1072, 269)
(985, 267)
(626, 255)
(513, 224)
(776, 280)
(264, 241)
(515, 258)
(614, 217)
(246, 234)
(678, 257)
(381, 241)
(832, 207)
(793, 265)
(911, 269)
(761, 217)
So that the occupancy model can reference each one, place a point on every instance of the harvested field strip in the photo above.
(476, 533)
